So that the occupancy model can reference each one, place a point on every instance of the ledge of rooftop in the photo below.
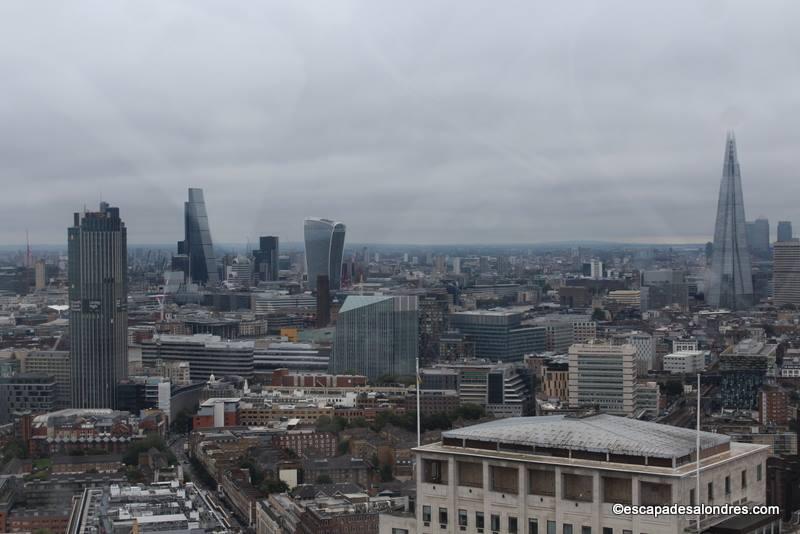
(522, 432)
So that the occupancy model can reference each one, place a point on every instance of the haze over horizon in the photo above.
(453, 123)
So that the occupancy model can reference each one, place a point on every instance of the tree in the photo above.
(273, 486)
(182, 423)
(469, 412)
(323, 479)
(673, 388)
(598, 315)
(150, 441)
(344, 446)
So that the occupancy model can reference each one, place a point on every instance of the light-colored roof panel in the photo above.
(597, 433)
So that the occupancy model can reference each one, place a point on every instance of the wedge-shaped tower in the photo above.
(731, 278)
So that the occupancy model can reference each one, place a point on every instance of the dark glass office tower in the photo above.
(324, 240)
(784, 231)
(197, 243)
(266, 258)
(731, 279)
(98, 300)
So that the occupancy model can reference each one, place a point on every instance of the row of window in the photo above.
(512, 524)
(615, 489)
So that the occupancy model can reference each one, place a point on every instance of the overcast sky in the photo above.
(412, 122)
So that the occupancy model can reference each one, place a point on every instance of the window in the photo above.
(504, 479)
(710, 491)
(567, 528)
(434, 471)
(470, 474)
(426, 514)
(691, 497)
(551, 527)
(617, 490)
(627, 532)
(586, 530)
(744, 478)
(541, 482)
(399, 531)
(578, 487)
(727, 485)
(462, 518)
(495, 523)
(652, 494)
(479, 520)
(512, 525)
(608, 530)
(533, 526)
(758, 473)
(443, 516)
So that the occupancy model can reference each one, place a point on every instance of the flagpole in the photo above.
(419, 417)
(697, 453)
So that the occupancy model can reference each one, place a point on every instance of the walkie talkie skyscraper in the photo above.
(731, 278)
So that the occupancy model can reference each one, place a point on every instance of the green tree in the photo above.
(273, 486)
(131, 456)
(598, 315)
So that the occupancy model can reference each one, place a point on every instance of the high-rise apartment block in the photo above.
(376, 335)
(731, 277)
(98, 306)
(324, 240)
(603, 376)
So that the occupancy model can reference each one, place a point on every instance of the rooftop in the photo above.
(600, 433)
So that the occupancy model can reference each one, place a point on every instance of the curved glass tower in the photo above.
(198, 245)
(324, 240)
(731, 280)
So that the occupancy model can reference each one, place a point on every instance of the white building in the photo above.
(603, 375)
(561, 474)
(685, 361)
(645, 345)
(684, 344)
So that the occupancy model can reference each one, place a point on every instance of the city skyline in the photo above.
(540, 123)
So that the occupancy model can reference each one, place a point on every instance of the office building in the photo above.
(267, 258)
(197, 245)
(563, 474)
(596, 269)
(55, 363)
(784, 231)
(26, 392)
(293, 356)
(645, 345)
(758, 238)
(207, 354)
(603, 376)
(730, 277)
(743, 368)
(685, 362)
(499, 334)
(786, 273)
(323, 301)
(376, 335)
(98, 306)
(324, 240)
(773, 405)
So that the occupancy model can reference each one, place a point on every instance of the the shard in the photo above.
(197, 245)
(731, 278)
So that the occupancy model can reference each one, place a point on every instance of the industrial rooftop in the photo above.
(599, 433)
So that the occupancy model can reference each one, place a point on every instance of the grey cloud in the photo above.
(413, 122)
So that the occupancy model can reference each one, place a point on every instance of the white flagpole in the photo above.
(697, 499)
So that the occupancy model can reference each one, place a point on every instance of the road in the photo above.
(216, 506)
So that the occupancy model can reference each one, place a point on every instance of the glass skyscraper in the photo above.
(731, 279)
(376, 335)
(197, 243)
(324, 240)
(98, 312)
